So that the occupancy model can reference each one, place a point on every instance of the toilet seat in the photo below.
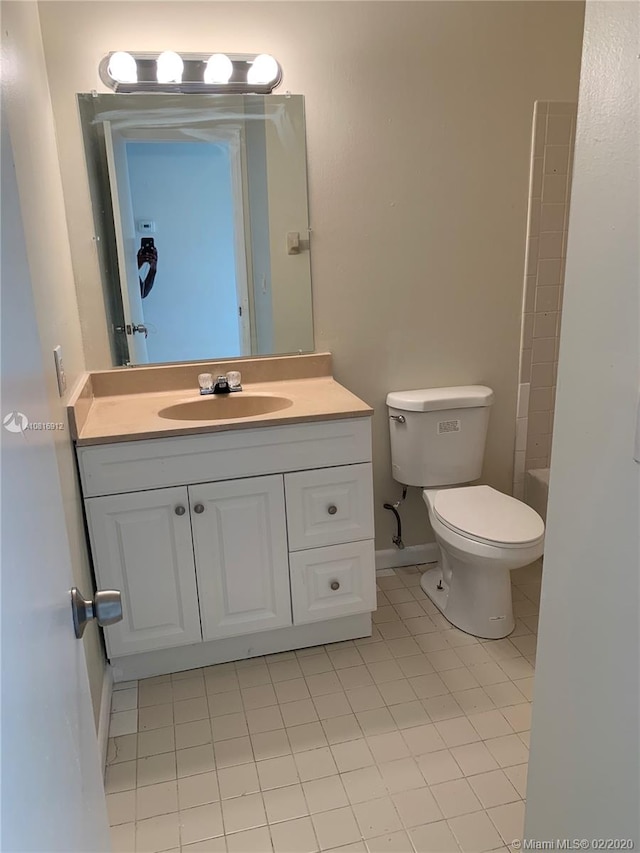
(485, 515)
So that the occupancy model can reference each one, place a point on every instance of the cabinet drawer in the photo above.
(329, 506)
(327, 583)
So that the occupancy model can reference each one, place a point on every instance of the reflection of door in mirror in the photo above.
(188, 196)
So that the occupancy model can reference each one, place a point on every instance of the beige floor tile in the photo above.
(155, 800)
(508, 750)
(416, 807)
(154, 694)
(355, 676)
(505, 694)
(121, 807)
(385, 670)
(298, 713)
(375, 652)
(123, 748)
(404, 647)
(352, 755)
(237, 750)
(439, 767)
(200, 823)
(258, 697)
(385, 613)
(364, 784)
(525, 686)
(270, 744)
(325, 794)
(190, 710)
(220, 682)
(209, 845)
(307, 736)
(473, 701)
(444, 660)
(341, 729)
(387, 747)
(442, 708)
(518, 777)
(518, 716)
(345, 657)
(423, 739)
(285, 803)
(458, 679)
(221, 704)
(377, 721)
(197, 759)
(124, 700)
(394, 842)
(158, 833)
(475, 833)
(156, 768)
(315, 764)
(323, 683)
(120, 777)
(294, 836)
(155, 717)
(455, 798)
(490, 724)
(415, 665)
(433, 838)
(197, 733)
(397, 692)
(315, 663)
(238, 781)
(277, 772)
(494, 788)
(229, 726)
(292, 690)
(285, 670)
(457, 732)
(474, 758)
(336, 828)
(188, 688)
(509, 821)
(428, 686)
(365, 698)
(254, 675)
(408, 714)
(123, 838)
(265, 720)
(401, 775)
(198, 790)
(250, 841)
(432, 643)
(123, 723)
(332, 705)
(243, 813)
(377, 817)
(487, 672)
(156, 741)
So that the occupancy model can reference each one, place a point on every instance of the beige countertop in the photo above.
(99, 416)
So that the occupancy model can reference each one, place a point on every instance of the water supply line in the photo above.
(397, 539)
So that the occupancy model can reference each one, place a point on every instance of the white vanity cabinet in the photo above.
(232, 544)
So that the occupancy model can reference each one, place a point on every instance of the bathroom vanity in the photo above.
(228, 537)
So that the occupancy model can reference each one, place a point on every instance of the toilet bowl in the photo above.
(438, 438)
(482, 535)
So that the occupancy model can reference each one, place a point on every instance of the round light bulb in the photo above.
(264, 69)
(219, 69)
(122, 67)
(169, 67)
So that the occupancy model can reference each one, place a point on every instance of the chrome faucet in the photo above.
(222, 385)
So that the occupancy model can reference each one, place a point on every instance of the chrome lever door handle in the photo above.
(105, 608)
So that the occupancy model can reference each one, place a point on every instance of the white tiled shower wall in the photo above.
(549, 190)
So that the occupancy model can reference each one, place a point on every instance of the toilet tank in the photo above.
(438, 435)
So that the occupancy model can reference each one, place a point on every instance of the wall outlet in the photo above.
(60, 374)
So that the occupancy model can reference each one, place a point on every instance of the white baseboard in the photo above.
(412, 555)
(105, 713)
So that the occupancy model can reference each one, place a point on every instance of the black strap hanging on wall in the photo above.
(147, 254)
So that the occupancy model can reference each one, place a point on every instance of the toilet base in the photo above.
(461, 617)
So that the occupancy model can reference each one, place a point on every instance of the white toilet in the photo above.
(437, 442)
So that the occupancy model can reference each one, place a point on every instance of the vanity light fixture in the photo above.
(218, 73)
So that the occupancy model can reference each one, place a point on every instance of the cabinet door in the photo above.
(240, 542)
(327, 583)
(142, 546)
(329, 506)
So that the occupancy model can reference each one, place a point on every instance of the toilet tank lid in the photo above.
(434, 399)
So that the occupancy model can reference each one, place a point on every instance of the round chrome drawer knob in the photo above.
(332, 510)
(199, 508)
(335, 584)
(180, 510)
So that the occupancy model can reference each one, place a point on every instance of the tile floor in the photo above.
(413, 740)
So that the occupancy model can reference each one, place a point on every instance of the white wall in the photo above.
(30, 119)
(185, 188)
(584, 765)
(418, 176)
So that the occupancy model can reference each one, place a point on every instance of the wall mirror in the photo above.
(202, 224)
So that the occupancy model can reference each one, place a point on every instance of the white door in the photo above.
(240, 542)
(125, 232)
(141, 545)
(52, 795)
